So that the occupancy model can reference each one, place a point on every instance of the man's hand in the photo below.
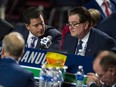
(93, 78)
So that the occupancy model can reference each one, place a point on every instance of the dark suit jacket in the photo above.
(97, 41)
(108, 25)
(95, 85)
(94, 4)
(54, 33)
(12, 75)
(5, 28)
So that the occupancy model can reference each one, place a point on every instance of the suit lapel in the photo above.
(113, 7)
(99, 8)
(38, 44)
(72, 44)
(90, 43)
(25, 34)
(69, 44)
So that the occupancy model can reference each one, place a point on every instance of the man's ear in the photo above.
(27, 26)
(112, 70)
(86, 25)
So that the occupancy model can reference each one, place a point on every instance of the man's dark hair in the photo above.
(30, 13)
(83, 13)
(108, 61)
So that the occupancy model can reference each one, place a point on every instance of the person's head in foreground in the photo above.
(105, 66)
(13, 46)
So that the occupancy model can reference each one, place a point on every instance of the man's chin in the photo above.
(73, 35)
(40, 35)
(108, 84)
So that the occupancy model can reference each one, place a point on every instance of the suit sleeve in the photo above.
(31, 82)
(93, 85)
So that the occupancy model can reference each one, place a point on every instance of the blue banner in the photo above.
(35, 57)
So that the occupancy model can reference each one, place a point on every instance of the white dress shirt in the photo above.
(29, 40)
(114, 85)
(84, 44)
(100, 3)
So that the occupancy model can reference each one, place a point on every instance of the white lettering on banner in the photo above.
(33, 57)
(44, 60)
(25, 57)
(40, 58)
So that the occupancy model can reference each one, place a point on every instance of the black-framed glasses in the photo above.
(73, 24)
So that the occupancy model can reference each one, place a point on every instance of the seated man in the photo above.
(83, 39)
(105, 7)
(105, 67)
(35, 27)
(11, 74)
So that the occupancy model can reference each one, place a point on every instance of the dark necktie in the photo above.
(106, 5)
(79, 46)
(33, 42)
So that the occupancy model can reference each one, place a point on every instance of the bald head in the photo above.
(105, 66)
(97, 60)
(102, 54)
(13, 45)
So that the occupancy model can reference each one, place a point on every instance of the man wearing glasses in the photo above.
(35, 29)
(83, 39)
(105, 67)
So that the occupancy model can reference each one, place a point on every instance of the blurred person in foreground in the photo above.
(108, 25)
(6, 28)
(105, 67)
(83, 38)
(34, 26)
(11, 74)
(95, 16)
(105, 7)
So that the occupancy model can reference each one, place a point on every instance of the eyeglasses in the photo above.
(73, 24)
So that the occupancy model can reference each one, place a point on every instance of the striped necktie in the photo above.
(106, 5)
(79, 47)
(33, 41)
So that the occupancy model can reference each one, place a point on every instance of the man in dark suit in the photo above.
(108, 25)
(105, 67)
(11, 74)
(5, 28)
(98, 4)
(93, 40)
(35, 26)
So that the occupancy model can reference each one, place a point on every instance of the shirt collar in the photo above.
(114, 85)
(85, 39)
(100, 2)
(11, 58)
(30, 35)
